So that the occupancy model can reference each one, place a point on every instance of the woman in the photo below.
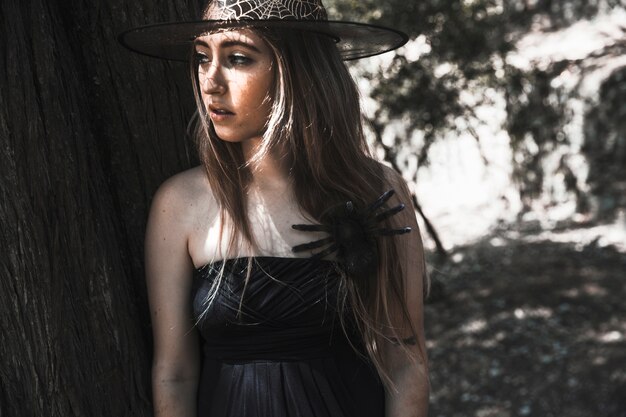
(280, 284)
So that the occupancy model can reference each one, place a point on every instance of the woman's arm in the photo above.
(409, 373)
(169, 272)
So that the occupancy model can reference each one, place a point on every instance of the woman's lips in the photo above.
(219, 114)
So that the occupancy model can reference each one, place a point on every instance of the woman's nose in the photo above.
(212, 80)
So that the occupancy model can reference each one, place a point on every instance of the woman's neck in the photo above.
(270, 172)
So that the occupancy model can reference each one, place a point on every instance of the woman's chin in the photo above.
(237, 138)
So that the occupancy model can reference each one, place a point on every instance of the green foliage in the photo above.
(535, 121)
(464, 46)
(605, 144)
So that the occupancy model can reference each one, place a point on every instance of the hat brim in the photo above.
(173, 40)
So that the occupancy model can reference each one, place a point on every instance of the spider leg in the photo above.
(313, 245)
(388, 213)
(319, 255)
(380, 201)
(391, 232)
(311, 227)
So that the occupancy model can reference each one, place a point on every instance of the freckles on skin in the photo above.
(251, 99)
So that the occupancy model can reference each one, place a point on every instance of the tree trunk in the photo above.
(87, 132)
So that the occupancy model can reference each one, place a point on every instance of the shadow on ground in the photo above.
(528, 329)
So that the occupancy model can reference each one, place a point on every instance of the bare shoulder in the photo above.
(392, 179)
(184, 187)
(183, 195)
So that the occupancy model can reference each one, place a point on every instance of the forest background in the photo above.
(507, 118)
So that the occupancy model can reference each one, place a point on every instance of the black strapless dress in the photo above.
(284, 354)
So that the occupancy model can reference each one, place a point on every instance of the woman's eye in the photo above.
(237, 59)
(201, 58)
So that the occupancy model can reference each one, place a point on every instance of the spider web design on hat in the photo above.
(174, 40)
(267, 10)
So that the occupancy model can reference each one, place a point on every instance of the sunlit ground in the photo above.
(527, 314)
(527, 317)
(526, 328)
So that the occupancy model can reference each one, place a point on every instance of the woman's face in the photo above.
(236, 75)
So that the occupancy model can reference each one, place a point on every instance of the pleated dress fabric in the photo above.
(283, 353)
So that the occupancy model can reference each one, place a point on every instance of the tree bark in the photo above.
(87, 132)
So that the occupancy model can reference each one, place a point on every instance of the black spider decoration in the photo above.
(353, 233)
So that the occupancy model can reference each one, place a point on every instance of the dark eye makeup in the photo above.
(200, 58)
(234, 59)
(239, 59)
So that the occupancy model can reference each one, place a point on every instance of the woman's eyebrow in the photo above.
(230, 43)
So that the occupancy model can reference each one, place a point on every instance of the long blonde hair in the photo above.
(316, 123)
